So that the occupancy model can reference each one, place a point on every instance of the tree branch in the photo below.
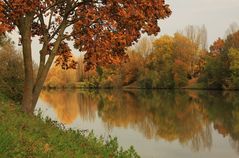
(8, 4)
(50, 7)
(49, 22)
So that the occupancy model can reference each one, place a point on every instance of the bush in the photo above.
(166, 80)
(146, 83)
(11, 71)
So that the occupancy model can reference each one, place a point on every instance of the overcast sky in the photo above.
(216, 15)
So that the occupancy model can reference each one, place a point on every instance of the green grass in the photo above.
(22, 135)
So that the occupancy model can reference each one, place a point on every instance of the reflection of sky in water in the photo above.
(147, 148)
(46, 110)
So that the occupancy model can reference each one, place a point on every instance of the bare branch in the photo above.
(50, 7)
(49, 22)
(8, 4)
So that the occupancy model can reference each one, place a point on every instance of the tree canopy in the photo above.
(103, 29)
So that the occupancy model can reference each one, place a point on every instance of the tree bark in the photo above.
(25, 31)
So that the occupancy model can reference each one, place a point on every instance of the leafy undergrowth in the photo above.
(27, 136)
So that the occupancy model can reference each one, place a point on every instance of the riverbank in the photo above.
(28, 136)
(85, 86)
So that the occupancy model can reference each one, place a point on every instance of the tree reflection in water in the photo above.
(186, 116)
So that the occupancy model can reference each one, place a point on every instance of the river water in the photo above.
(158, 123)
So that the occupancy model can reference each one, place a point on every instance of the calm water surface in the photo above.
(159, 124)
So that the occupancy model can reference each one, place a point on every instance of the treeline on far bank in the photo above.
(179, 61)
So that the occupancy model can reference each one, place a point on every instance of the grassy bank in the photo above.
(27, 136)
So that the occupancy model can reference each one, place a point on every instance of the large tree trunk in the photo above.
(32, 89)
(25, 31)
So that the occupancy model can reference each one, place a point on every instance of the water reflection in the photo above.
(190, 117)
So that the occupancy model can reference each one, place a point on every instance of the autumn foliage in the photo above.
(167, 62)
(102, 29)
(217, 46)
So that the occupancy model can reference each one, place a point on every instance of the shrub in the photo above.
(11, 71)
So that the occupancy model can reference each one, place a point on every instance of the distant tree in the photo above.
(216, 72)
(175, 60)
(186, 51)
(103, 29)
(230, 55)
(130, 71)
(58, 77)
(161, 60)
(234, 27)
(217, 47)
(197, 35)
(232, 41)
(234, 66)
(144, 46)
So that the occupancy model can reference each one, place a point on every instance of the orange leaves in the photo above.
(106, 30)
(4, 26)
(18, 8)
(102, 29)
(65, 58)
(217, 46)
(36, 29)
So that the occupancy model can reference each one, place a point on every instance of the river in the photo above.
(158, 123)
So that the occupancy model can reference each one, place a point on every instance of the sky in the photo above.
(216, 15)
